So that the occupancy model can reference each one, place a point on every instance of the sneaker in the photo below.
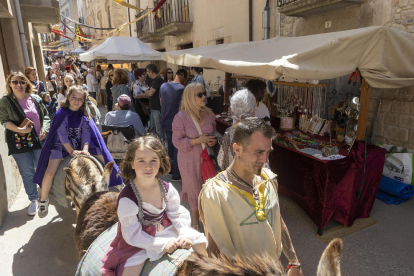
(176, 178)
(43, 208)
(32, 208)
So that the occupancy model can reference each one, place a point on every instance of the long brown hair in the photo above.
(9, 90)
(120, 77)
(80, 89)
(151, 142)
(64, 87)
(166, 74)
(28, 70)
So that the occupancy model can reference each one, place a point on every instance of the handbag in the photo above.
(21, 142)
(208, 168)
(145, 107)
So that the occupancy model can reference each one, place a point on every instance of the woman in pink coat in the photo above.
(187, 140)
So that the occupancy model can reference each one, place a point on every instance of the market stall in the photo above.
(344, 188)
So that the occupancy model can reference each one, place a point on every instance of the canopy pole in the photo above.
(227, 80)
(363, 110)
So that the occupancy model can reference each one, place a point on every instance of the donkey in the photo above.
(329, 264)
(96, 207)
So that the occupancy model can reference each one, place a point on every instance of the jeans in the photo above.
(27, 163)
(156, 123)
(172, 152)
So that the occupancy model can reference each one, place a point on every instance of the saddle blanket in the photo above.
(91, 263)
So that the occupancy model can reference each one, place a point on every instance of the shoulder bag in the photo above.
(208, 168)
(21, 142)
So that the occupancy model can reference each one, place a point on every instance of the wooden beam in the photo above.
(363, 110)
(227, 82)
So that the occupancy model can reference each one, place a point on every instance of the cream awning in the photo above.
(385, 56)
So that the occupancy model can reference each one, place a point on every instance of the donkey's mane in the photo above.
(87, 170)
(223, 266)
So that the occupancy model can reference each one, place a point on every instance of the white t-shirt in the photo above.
(60, 99)
(262, 111)
(139, 88)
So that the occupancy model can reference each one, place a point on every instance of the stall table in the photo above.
(327, 189)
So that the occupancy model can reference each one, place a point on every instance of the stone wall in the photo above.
(10, 182)
(402, 18)
(106, 14)
(396, 120)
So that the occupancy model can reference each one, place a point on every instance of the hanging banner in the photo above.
(79, 33)
(61, 34)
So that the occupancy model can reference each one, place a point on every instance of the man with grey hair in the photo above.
(233, 227)
(242, 105)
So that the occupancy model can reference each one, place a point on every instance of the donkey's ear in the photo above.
(330, 262)
(75, 182)
(107, 175)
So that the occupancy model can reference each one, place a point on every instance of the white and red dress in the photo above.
(134, 242)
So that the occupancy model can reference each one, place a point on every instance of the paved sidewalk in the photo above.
(30, 245)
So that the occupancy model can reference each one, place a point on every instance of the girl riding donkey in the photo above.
(151, 220)
(72, 133)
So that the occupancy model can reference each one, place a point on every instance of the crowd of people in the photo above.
(62, 121)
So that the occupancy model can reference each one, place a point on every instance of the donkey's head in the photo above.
(84, 177)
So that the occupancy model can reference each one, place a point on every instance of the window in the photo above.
(220, 41)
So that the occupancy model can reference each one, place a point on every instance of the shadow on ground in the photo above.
(17, 219)
(50, 249)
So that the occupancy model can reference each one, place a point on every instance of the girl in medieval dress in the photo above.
(71, 135)
(151, 220)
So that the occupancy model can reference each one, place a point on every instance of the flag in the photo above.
(80, 33)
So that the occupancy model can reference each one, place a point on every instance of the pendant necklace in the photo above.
(158, 225)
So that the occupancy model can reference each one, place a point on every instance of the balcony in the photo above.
(40, 11)
(303, 8)
(174, 19)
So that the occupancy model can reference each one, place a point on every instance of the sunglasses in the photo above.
(111, 75)
(15, 82)
(169, 72)
(201, 94)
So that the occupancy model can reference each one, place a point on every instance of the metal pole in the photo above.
(22, 34)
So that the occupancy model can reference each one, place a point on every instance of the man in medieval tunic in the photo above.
(240, 206)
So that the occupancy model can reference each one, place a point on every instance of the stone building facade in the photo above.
(107, 14)
(230, 24)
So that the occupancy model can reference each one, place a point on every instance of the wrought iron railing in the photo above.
(281, 3)
(171, 11)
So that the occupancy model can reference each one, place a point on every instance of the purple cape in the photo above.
(96, 138)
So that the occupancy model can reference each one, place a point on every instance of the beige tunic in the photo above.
(230, 217)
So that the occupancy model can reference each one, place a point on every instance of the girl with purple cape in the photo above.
(72, 133)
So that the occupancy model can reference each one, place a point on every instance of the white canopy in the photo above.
(117, 49)
(78, 51)
(385, 56)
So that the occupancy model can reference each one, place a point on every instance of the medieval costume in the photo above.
(73, 127)
(144, 230)
(241, 223)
